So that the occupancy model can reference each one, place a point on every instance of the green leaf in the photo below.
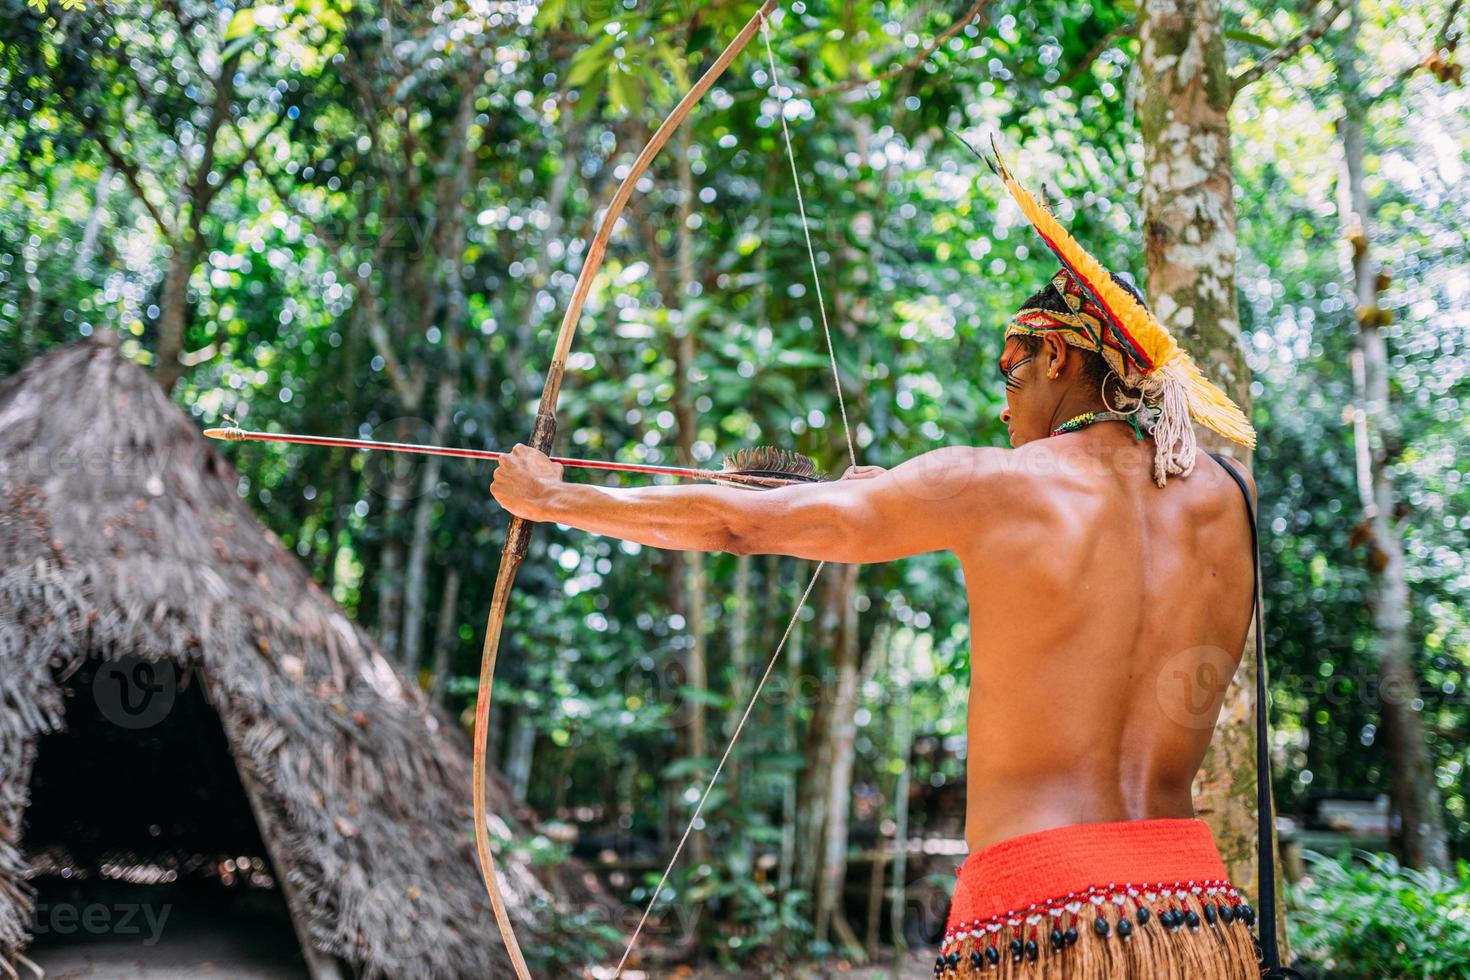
(687, 767)
(676, 63)
(700, 695)
(588, 62)
(834, 55)
(550, 14)
(1248, 37)
(241, 24)
(791, 357)
(235, 47)
(617, 89)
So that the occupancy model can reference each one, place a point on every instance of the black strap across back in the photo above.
(1266, 874)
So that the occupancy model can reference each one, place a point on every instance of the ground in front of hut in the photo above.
(201, 937)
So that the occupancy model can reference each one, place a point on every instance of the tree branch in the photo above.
(1112, 37)
(186, 28)
(452, 178)
(130, 169)
(1285, 52)
(131, 173)
(912, 63)
(1445, 38)
(200, 192)
(250, 154)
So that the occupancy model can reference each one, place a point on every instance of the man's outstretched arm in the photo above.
(926, 504)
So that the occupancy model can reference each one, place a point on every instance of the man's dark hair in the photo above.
(1094, 367)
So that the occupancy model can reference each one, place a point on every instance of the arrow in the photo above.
(760, 466)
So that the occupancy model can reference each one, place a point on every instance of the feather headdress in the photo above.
(1152, 360)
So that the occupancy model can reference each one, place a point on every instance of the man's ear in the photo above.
(1055, 361)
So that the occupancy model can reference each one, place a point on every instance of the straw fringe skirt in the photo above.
(1099, 901)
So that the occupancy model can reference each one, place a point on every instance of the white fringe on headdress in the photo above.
(1173, 430)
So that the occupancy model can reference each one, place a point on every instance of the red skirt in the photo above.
(1093, 901)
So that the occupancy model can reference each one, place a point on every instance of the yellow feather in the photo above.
(1208, 404)
(1156, 343)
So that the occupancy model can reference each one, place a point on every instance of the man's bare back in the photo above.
(1107, 616)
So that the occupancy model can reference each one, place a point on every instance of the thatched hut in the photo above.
(124, 540)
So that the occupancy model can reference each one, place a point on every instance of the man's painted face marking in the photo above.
(1012, 382)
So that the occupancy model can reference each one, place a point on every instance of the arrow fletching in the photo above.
(765, 463)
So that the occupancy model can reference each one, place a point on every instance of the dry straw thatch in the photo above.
(122, 534)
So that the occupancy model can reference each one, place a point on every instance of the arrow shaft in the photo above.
(422, 449)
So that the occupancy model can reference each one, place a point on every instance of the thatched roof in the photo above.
(122, 534)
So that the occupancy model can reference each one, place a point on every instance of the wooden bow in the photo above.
(518, 534)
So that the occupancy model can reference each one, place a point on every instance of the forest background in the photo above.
(365, 219)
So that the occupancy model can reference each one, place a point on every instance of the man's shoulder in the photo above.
(952, 472)
(1220, 473)
(984, 487)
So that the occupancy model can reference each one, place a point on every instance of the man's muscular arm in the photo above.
(928, 503)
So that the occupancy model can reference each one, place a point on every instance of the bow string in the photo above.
(817, 572)
(517, 538)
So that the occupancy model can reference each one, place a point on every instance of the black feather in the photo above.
(971, 147)
(770, 462)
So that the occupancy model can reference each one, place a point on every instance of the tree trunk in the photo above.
(416, 583)
(173, 309)
(343, 490)
(1190, 246)
(341, 487)
(873, 671)
(446, 637)
(676, 286)
(520, 753)
(741, 682)
(87, 250)
(903, 739)
(390, 562)
(812, 799)
(448, 243)
(790, 819)
(875, 902)
(842, 738)
(1422, 836)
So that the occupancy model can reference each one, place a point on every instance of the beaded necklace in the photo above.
(1087, 418)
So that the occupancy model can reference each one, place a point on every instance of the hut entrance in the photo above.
(144, 841)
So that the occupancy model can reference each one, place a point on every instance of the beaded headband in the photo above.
(1085, 326)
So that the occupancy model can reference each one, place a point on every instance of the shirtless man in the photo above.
(1100, 597)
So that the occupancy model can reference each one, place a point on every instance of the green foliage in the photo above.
(1366, 918)
(337, 264)
(1299, 311)
(571, 935)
